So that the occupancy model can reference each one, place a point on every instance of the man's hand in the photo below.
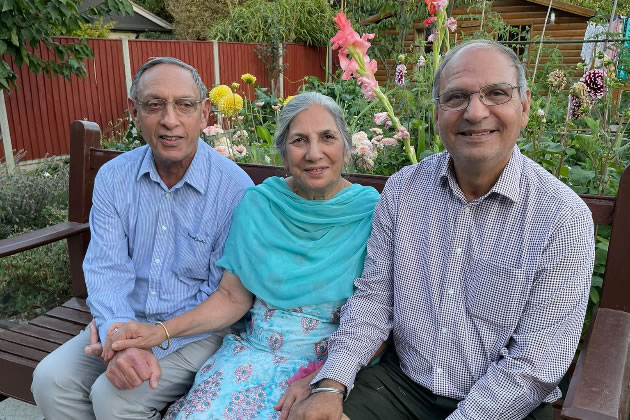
(131, 367)
(297, 391)
(95, 348)
(320, 406)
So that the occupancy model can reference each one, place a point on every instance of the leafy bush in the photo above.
(33, 200)
(36, 280)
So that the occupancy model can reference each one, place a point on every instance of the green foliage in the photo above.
(38, 279)
(25, 23)
(121, 135)
(157, 7)
(96, 29)
(32, 200)
(192, 18)
(34, 281)
(307, 22)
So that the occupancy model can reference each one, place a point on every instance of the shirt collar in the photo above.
(196, 175)
(507, 185)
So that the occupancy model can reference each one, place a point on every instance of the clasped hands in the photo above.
(127, 353)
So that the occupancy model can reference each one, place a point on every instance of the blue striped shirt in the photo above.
(153, 250)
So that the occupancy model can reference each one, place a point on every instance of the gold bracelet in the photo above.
(168, 337)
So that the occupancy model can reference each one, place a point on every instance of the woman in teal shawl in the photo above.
(294, 249)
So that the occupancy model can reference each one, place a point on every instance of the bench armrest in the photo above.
(600, 386)
(41, 237)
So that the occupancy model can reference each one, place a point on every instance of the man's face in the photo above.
(172, 135)
(481, 137)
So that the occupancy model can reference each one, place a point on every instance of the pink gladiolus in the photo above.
(259, 104)
(368, 84)
(376, 130)
(440, 4)
(380, 118)
(347, 37)
(433, 36)
(429, 21)
(451, 24)
(402, 133)
(421, 61)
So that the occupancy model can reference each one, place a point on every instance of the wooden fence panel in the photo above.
(236, 59)
(41, 108)
(303, 61)
(196, 53)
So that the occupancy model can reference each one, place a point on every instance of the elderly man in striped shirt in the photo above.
(160, 216)
(479, 264)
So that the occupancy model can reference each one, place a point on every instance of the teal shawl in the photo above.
(293, 252)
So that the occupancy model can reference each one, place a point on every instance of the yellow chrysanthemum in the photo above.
(231, 104)
(250, 79)
(288, 99)
(219, 92)
(235, 86)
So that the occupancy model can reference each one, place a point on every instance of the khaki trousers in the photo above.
(69, 384)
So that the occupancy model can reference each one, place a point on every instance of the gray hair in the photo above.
(484, 43)
(133, 90)
(300, 103)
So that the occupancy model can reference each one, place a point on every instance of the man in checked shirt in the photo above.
(479, 264)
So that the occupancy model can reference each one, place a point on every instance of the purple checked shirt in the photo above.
(486, 299)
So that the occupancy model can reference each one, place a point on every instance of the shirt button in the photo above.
(467, 210)
(167, 195)
(438, 371)
(157, 260)
(458, 251)
(163, 227)
(444, 330)
(450, 291)
(153, 293)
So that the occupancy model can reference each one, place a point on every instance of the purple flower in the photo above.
(399, 77)
(594, 81)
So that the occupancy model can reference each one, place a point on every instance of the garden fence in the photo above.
(39, 110)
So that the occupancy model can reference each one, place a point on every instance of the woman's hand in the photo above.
(297, 391)
(132, 334)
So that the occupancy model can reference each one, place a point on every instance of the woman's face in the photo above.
(315, 154)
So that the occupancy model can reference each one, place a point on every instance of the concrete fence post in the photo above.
(6, 136)
(281, 75)
(215, 62)
(126, 63)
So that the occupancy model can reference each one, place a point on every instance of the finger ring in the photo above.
(116, 329)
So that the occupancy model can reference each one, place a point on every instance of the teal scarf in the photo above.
(293, 252)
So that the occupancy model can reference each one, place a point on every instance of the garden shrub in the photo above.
(39, 279)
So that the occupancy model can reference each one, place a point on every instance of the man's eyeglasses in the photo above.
(158, 106)
(490, 95)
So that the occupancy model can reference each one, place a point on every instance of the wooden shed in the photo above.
(566, 22)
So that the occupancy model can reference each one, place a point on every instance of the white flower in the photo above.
(213, 130)
(358, 138)
(221, 141)
(376, 130)
(46, 175)
(540, 113)
(224, 150)
(239, 151)
(268, 160)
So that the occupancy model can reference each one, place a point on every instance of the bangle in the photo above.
(168, 337)
(331, 390)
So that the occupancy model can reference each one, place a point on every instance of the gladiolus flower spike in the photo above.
(356, 63)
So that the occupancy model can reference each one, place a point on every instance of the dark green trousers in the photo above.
(384, 392)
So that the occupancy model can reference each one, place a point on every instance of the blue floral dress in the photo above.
(248, 374)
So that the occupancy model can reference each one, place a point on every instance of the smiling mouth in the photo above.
(315, 171)
(476, 133)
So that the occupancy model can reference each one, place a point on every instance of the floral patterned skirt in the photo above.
(248, 375)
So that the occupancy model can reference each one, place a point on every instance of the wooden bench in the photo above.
(598, 388)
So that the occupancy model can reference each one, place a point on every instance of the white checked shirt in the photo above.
(486, 299)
